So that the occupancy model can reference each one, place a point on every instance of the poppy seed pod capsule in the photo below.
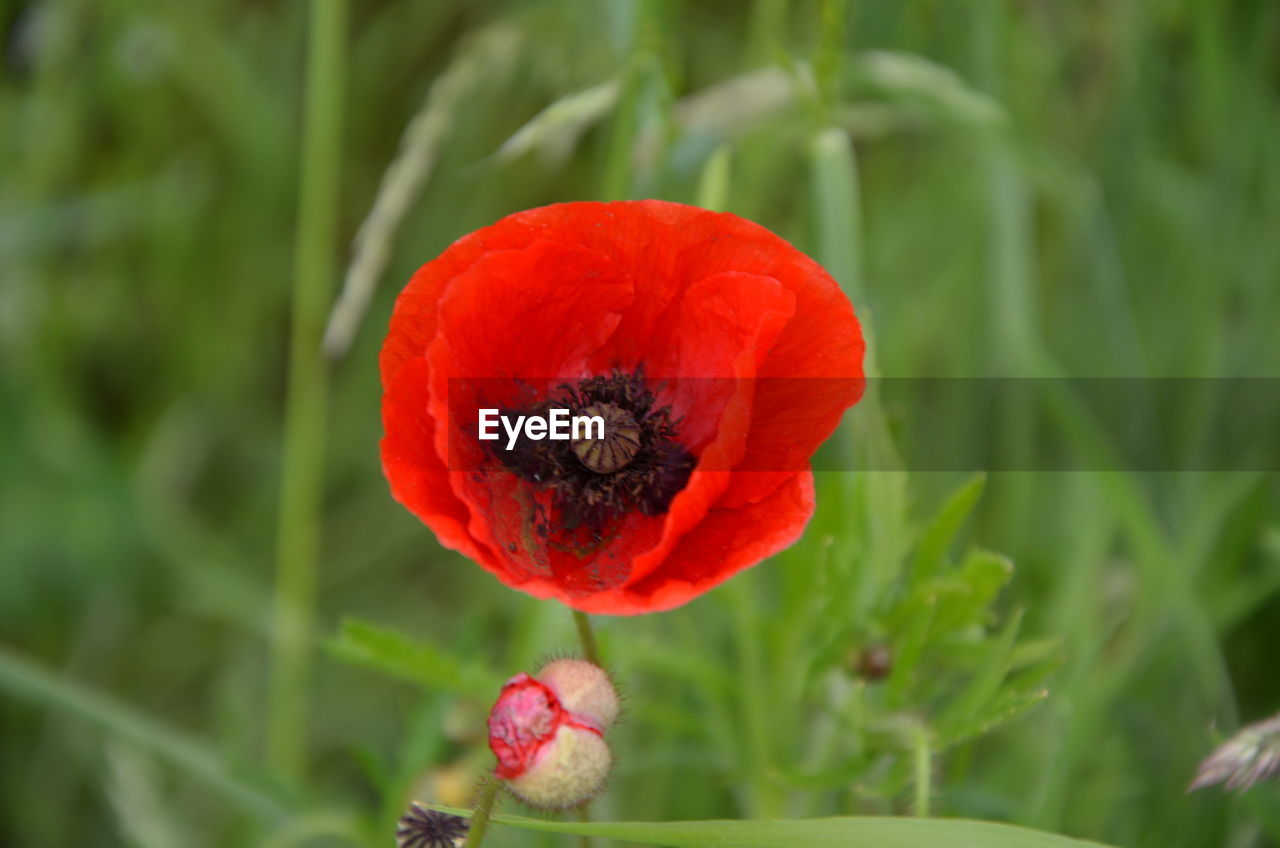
(551, 751)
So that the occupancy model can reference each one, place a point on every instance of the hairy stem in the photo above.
(591, 651)
(587, 636)
(485, 803)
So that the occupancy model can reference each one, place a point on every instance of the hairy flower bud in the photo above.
(547, 733)
(583, 688)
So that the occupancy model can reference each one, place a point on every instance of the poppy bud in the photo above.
(547, 733)
(583, 688)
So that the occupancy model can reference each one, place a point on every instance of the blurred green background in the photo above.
(1029, 188)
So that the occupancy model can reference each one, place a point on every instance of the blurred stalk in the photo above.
(768, 29)
(922, 766)
(837, 222)
(833, 181)
(766, 798)
(485, 56)
(829, 56)
(53, 113)
(643, 106)
(619, 177)
(306, 406)
(713, 182)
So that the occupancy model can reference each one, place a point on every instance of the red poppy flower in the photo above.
(718, 356)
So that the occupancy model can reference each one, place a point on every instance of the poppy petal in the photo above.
(727, 541)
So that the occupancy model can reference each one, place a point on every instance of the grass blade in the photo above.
(25, 679)
(834, 832)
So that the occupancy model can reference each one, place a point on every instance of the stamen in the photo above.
(639, 465)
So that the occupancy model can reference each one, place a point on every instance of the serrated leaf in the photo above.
(834, 832)
(984, 685)
(1006, 707)
(970, 589)
(365, 644)
(909, 649)
(1036, 652)
(935, 541)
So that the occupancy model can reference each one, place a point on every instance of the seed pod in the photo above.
(620, 442)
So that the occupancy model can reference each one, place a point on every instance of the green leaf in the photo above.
(25, 679)
(913, 79)
(365, 644)
(931, 553)
(966, 593)
(985, 684)
(1006, 707)
(556, 129)
(911, 647)
(835, 832)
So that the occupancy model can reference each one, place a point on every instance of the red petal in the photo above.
(724, 543)
(541, 312)
(712, 348)
(415, 471)
(707, 292)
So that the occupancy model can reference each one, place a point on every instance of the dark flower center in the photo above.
(637, 465)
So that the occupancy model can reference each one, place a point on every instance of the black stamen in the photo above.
(638, 466)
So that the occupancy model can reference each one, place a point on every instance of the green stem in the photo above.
(298, 538)
(591, 651)
(922, 757)
(587, 636)
(485, 803)
(766, 799)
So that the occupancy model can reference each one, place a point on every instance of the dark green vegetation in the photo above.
(1030, 189)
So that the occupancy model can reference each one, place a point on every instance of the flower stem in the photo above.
(485, 803)
(591, 651)
(587, 636)
(922, 757)
(306, 406)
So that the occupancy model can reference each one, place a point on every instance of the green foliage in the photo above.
(362, 643)
(899, 655)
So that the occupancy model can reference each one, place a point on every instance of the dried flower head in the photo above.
(1251, 756)
(423, 828)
